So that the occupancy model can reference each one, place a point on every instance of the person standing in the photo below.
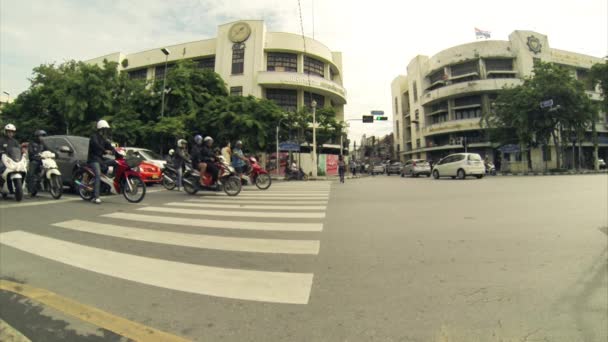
(353, 167)
(180, 158)
(227, 152)
(341, 168)
(98, 144)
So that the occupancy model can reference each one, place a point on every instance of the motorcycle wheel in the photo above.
(190, 189)
(168, 184)
(137, 192)
(18, 186)
(232, 186)
(87, 181)
(263, 181)
(56, 187)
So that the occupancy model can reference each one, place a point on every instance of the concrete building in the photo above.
(441, 99)
(279, 66)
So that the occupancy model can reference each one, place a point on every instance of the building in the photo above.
(279, 66)
(441, 99)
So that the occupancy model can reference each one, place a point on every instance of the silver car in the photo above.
(416, 167)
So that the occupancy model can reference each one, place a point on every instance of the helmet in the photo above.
(171, 151)
(10, 127)
(208, 138)
(238, 142)
(198, 139)
(102, 124)
(40, 133)
(181, 142)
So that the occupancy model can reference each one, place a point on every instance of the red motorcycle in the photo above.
(257, 175)
(229, 182)
(126, 180)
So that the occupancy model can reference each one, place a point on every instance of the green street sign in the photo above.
(381, 118)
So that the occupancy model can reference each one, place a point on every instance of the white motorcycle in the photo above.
(49, 177)
(12, 177)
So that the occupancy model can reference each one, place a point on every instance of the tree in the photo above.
(599, 75)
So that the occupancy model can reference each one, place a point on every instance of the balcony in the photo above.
(452, 126)
(473, 87)
(316, 84)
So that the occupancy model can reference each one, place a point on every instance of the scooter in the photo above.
(256, 175)
(169, 177)
(230, 183)
(126, 180)
(295, 175)
(49, 177)
(12, 177)
(490, 168)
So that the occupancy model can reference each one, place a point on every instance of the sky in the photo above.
(377, 38)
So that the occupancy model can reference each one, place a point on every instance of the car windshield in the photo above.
(150, 155)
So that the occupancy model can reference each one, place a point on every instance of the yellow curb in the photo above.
(10, 334)
(121, 326)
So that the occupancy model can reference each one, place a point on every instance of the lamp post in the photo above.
(162, 106)
(314, 138)
(277, 159)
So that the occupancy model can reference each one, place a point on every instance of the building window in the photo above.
(415, 89)
(308, 97)
(159, 71)
(284, 98)
(546, 153)
(236, 91)
(470, 113)
(397, 130)
(518, 156)
(416, 114)
(465, 68)
(140, 74)
(435, 119)
(238, 58)
(499, 64)
(417, 143)
(314, 66)
(205, 63)
(396, 106)
(280, 61)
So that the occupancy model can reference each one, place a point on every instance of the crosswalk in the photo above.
(292, 213)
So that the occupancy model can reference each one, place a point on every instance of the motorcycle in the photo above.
(256, 175)
(49, 177)
(126, 180)
(490, 168)
(12, 177)
(295, 175)
(230, 183)
(169, 177)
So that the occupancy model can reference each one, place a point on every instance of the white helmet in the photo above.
(208, 138)
(171, 151)
(102, 124)
(181, 142)
(10, 127)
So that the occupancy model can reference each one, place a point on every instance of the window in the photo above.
(159, 71)
(416, 114)
(499, 64)
(314, 66)
(463, 114)
(236, 91)
(467, 101)
(465, 68)
(518, 156)
(397, 130)
(238, 58)
(280, 61)
(205, 63)
(415, 89)
(435, 119)
(140, 74)
(396, 106)
(417, 143)
(308, 97)
(546, 153)
(284, 98)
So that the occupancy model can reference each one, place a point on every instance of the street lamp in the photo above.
(277, 159)
(314, 138)
(162, 106)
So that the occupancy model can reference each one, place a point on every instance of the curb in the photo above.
(506, 174)
(9, 334)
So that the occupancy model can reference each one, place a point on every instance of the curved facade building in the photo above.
(442, 98)
(282, 67)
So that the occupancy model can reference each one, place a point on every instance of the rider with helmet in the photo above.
(239, 162)
(180, 158)
(7, 141)
(203, 157)
(34, 149)
(98, 145)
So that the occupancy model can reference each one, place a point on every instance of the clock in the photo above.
(239, 32)
(534, 44)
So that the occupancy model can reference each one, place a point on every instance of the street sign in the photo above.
(367, 119)
(377, 112)
(381, 118)
(546, 103)
(509, 148)
(289, 146)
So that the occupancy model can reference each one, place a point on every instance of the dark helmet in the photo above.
(40, 133)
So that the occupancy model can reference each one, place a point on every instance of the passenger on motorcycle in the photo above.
(239, 162)
(34, 149)
(180, 158)
(7, 141)
(98, 145)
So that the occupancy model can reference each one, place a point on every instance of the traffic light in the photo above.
(368, 118)
(381, 118)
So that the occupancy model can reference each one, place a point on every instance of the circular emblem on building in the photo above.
(534, 44)
(239, 32)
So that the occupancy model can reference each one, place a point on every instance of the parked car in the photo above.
(377, 169)
(394, 168)
(69, 150)
(149, 156)
(460, 165)
(416, 167)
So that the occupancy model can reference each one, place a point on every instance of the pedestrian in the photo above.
(227, 152)
(341, 168)
(353, 167)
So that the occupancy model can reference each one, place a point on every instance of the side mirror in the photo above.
(66, 149)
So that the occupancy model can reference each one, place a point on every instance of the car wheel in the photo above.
(436, 174)
(460, 174)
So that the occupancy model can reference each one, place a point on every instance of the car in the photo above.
(394, 168)
(416, 167)
(69, 151)
(460, 165)
(149, 156)
(601, 164)
(376, 169)
(151, 168)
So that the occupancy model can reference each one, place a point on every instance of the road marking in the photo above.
(222, 224)
(121, 326)
(263, 286)
(256, 201)
(277, 246)
(286, 194)
(233, 213)
(247, 206)
(270, 197)
(32, 204)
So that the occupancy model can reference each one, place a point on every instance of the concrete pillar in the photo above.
(300, 63)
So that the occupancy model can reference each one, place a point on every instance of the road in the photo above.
(375, 259)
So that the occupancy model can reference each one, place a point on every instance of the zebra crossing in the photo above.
(293, 212)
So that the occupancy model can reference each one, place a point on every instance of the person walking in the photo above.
(341, 168)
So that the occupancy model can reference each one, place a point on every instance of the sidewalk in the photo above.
(538, 173)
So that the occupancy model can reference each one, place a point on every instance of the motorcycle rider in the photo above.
(180, 158)
(98, 144)
(239, 162)
(208, 156)
(7, 141)
(34, 149)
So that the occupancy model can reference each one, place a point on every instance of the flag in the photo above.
(481, 34)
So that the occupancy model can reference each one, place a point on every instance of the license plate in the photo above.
(155, 177)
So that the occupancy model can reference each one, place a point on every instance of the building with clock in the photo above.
(439, 102)
(279, 66)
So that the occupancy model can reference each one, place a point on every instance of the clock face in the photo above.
(239, 32)
(534, 44)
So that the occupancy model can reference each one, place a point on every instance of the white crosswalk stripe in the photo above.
(278, 210)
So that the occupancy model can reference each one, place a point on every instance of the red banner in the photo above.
(331, 163)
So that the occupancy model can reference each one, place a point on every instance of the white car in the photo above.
(416, 167)
(460, 165)
(147, 155)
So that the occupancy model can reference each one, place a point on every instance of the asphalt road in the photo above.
(375, 259)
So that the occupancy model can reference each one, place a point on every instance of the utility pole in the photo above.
(278, 159)
(314, 138)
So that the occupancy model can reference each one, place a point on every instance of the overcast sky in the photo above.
(378, 38)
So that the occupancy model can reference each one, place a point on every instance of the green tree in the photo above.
(599, 75)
